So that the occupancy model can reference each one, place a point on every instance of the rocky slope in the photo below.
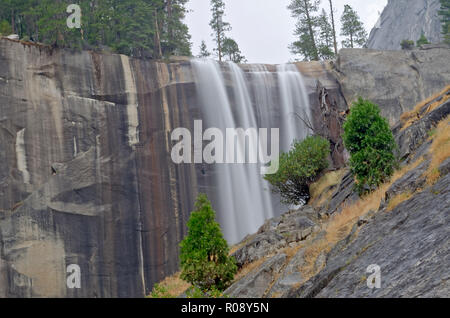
(403, 228)
(85, 170)
(406, 20)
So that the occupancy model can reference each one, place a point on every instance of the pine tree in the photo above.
(51, 24)
(325, 46)
(444, 13)
(303, 11)
(352, 29)
(131, 27)
(219, 26)
(204, 51)
(371, 144)
(205, 262)
(422, 40)
(150, 28)
(231, 50)
(5, 28)
(175, 33)
(334, 29)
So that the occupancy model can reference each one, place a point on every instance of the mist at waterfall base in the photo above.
(230, 97)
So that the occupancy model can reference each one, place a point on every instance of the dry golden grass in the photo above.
(247, 268)
(340, 225)
(439, 150)
(174, 285)
(395, 201)
(327, 181)
(408, 118)
(234, 248)
(292, 251)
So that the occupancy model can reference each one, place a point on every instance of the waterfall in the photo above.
(232, 98)
(295, 107)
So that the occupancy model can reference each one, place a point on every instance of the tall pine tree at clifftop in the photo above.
(219, 26)
(444, 13)
(306, 45)
(352, 29)
(149, 28)
(204, 53)
(325, 46)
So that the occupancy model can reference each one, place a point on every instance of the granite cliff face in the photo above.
(406, 20)
(85, 171)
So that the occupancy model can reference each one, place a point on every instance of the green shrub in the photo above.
(160, 291)
(195, 292)
(205, 262)
(423, 40)
(407, 44)
(5, 28)
(298, 168)
(371, 144)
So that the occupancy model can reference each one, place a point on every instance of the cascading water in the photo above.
(295, 107)
(232, 98)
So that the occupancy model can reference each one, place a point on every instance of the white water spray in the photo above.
(232, 98)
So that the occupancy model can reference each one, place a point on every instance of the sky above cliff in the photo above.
(264, 28)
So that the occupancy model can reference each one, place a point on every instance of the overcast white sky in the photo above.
(264, 28)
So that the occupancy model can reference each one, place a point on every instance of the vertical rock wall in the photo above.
(406, 20)
(86, 176)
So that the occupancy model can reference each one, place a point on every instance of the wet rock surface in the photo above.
(413, 77)
(256, 284)
(411, 244)
(412, 137)
(276, 234)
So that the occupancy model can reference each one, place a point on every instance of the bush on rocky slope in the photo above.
(298, 168)
(371, 144)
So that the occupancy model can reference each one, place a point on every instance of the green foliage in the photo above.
(306, 28)
(298, 168)
(333, 26)
(218, 25)
(134, 27)
(5, 28)
(231, 50)
(444, 13)
(204, 53)
(422, 40)
(315, 33)
(352, 29)
(407, 44)
(160, 291)
(205, 262)
(326, 41)
(195, 292)
(368, 138)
